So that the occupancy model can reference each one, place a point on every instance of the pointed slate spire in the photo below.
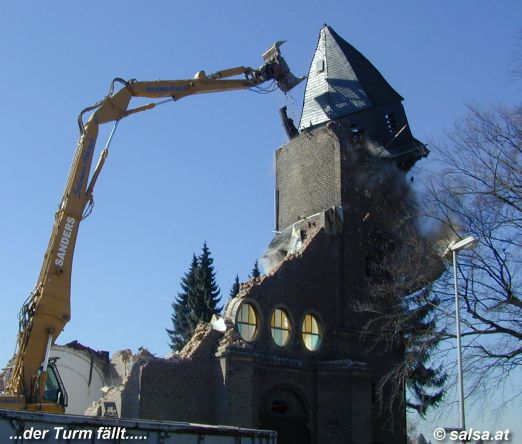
(341, 81)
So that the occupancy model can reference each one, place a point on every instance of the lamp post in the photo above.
(464, 244)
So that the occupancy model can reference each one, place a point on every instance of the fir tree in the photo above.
(181, 328)
(197, 301)
(203, 302)
(424, 383)
(255, 271)
(403, 316)
(235, 288)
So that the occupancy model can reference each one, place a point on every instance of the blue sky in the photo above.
(202, 168)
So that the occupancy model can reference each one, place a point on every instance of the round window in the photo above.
(246, 321)
(280, 327)
(311, 333)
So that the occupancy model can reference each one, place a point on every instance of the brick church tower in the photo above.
(291, 358)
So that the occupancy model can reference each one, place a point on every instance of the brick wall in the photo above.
(310, 168)
(237, 405)
(307, 176)
(182, 389)
(130, 395)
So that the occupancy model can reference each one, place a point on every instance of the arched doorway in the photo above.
(283, 411)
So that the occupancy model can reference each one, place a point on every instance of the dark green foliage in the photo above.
(203, 302)
(181, 329)
(197, 301)
(255, 271)
(410, 324)
(402, 311)
(425, 384)
(235, 288)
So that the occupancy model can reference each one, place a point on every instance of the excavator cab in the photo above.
(54, 389)
(53, 398)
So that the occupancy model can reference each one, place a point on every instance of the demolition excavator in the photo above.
(33, 382)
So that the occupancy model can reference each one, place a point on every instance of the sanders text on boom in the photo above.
(64, 241)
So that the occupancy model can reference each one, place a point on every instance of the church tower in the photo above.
(348, 99)
(292, 357)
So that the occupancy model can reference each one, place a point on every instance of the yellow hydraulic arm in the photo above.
(47, 309)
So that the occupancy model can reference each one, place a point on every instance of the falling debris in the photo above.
(292, 239)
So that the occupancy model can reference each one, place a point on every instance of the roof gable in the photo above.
(341, 81)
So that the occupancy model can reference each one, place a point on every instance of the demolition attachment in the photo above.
(275, 67)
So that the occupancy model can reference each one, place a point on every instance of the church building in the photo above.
(291, 358)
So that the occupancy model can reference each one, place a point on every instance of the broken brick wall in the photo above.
(130, 393)
(122, 390)
(184, 387)
(308, 177)
(303, 282)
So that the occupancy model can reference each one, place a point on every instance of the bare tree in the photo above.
(477, 190)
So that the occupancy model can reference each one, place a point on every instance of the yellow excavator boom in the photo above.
(47, 310)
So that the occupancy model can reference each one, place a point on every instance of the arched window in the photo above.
(280, 327)
(311, 332)
(246, 321)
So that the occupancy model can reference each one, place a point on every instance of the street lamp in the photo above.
(464, 244)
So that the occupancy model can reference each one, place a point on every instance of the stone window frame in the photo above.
(320, 327)
(291, 322)
(257, 313)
